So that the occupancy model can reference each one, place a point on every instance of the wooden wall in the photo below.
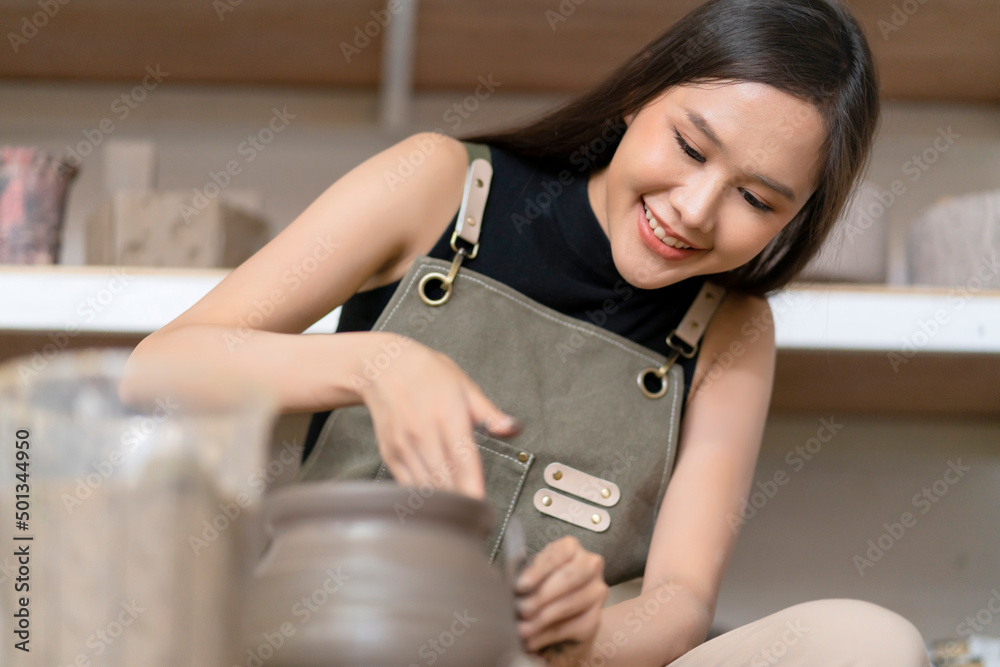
(945, 50)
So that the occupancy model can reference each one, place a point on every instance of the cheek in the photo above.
(744, 236)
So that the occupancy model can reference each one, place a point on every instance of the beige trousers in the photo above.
(837, 632)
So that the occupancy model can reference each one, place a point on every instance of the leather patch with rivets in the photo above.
(553, 503)
(579, 483)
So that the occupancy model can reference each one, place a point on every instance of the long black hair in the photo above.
(812, 49)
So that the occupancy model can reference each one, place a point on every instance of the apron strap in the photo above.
(685, 338)
(477, 187)
(688, 333)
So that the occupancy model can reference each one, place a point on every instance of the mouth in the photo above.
(660, 238)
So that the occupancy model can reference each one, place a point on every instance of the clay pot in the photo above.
(33, 186)
(373, 573)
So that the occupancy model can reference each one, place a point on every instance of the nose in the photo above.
(697, 203)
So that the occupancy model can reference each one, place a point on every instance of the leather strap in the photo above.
(477, 187)
(696, 319)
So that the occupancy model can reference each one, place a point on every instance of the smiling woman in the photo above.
(584, 272)
(810, 116)
(707, 204)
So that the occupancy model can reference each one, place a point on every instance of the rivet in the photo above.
(694, 325)
(522, 457)
(547, 501)
(605, 493)
(557, 474)
(709, 296)
(479, 182)
(470, 220)
(596, 518)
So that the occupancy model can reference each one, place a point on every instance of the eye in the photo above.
(695, 155)
(692, 153)
(756, 203)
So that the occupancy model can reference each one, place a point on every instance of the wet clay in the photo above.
(372, 573)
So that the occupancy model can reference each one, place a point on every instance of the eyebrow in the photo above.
(699, 122)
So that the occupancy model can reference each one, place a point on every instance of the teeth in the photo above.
(660, 234)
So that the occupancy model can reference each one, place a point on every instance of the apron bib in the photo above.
(601, 413)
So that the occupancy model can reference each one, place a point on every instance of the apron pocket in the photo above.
(505, 467)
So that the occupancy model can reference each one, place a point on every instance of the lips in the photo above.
(668, 231)
(654, 244)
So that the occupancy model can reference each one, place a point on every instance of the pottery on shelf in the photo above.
(956, 243)
(856, 248)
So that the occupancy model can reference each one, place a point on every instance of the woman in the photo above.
(724, 150)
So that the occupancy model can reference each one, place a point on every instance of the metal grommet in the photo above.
(641, 379)
(445, 285)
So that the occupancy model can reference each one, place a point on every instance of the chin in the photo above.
(643, 278)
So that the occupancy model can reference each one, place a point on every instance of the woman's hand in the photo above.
(424, 408)
(560, 597)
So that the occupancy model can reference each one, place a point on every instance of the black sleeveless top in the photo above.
(541, 237)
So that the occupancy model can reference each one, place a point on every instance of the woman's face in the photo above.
(721, 168)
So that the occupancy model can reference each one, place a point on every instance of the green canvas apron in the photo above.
(601, 413)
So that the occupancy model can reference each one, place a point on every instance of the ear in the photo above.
(628, 118)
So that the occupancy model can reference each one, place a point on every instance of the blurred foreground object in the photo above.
(366, 572)
(138, 523)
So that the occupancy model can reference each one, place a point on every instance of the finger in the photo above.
(486, 413)
(394, 456)
(402, 447)
(548, 560)
(466, 461)
(434, 454)
(403, 466)
(564, 608)
(580, 628)
(584, 569)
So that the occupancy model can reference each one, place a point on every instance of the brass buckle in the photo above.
(475, 247)
(675, 346)
(446, 281)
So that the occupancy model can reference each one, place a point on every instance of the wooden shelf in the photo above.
(947, 50)
(954, 385)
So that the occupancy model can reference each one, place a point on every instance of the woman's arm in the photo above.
(698, 522)
(357, 234)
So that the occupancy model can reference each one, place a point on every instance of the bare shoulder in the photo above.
(429, 175)
(358, 234)
(740, 333)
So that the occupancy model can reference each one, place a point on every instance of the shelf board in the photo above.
(106, 299)
(887, 318)
(842, 348)
(808, 316)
